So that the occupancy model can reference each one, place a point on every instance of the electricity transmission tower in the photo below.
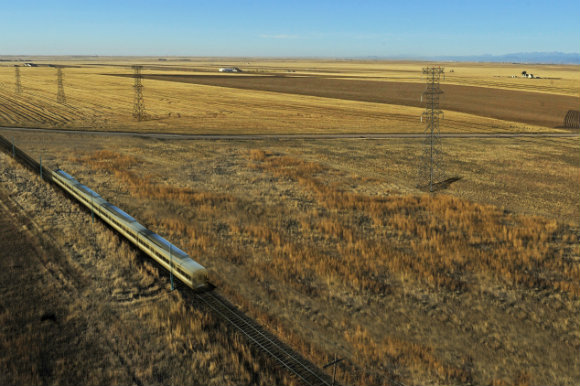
(139, 106)
(60, 97)
(18, 85)
(430, 164)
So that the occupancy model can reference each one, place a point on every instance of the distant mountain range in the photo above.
(520, 57)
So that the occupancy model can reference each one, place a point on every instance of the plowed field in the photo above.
(519, 106)
(34, 110)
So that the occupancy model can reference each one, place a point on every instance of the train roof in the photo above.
(118, 212)
(164, 244)
(180, 256)
(65, 175)
(183, 258)
(192, 265)
(88, 190)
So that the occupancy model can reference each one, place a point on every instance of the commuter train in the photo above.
(168, 255)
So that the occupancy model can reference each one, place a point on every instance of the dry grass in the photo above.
(125, 170)
(322, 234)
(98, 101)
(441, 240)
(114, 320)
(391, 352)
(329, 243)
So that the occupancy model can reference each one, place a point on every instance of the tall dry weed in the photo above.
(440, 240)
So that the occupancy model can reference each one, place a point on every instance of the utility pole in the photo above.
(430, 165)
(139, 106)
(333, 363)
(60, 97)
(171, 268)
(18, 84)
(572, 119)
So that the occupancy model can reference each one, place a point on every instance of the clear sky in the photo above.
(318, 28)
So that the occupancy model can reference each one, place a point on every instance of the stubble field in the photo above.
(330, 244)
(313, 97)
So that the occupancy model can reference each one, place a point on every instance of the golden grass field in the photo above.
(97, 101)
(329, 243)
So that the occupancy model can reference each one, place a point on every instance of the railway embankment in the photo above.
(80, 305)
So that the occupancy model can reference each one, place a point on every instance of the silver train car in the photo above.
(168, 255)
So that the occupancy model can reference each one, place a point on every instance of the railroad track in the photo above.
(24, 158)
(306, 372)
(287, 358)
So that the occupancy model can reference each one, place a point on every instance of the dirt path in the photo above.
(253, 137)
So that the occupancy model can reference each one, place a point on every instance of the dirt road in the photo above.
(253, 137)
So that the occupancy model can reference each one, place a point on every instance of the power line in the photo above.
(139, 106)
(18, 84)
(60, 97)
(430, 164)
(572, 119)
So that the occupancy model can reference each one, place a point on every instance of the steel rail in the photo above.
(305, 371)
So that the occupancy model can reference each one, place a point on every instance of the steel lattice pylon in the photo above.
(430, 163)
(18, 84)
(139, 106)
(60, 97)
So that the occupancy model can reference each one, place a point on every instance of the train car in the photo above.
(168, 255)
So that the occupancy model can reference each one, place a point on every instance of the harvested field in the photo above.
(37, 110)
(320, 97)
(510, 105)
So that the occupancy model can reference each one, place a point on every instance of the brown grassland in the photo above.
(329, 244)
(79, 306)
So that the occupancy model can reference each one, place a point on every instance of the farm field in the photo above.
(278, 96)
(332, 247)
(509, 105)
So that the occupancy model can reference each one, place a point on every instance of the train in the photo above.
(190, 272)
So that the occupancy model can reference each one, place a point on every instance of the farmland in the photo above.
(510, 105)
(319, 97)
(329, 243)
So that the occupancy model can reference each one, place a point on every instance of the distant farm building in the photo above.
(525, 74)
(230, 69)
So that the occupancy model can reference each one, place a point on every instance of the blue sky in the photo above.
(288, 28)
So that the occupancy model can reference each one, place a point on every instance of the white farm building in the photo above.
(230, 69)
